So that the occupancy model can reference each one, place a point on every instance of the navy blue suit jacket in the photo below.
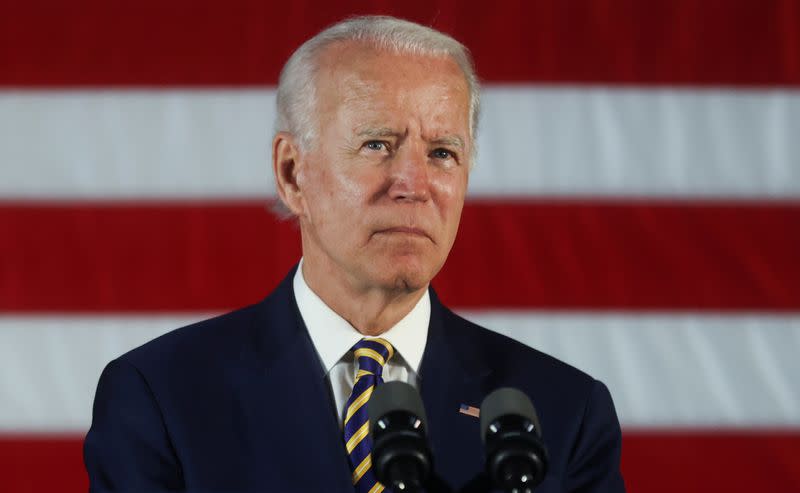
(241, 403)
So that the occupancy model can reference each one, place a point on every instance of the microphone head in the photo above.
(401, 457)
(507, 401)
(394, 396)
(516, 457)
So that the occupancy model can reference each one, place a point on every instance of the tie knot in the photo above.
(372, 354)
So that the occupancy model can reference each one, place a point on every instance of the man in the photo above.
(377, 120)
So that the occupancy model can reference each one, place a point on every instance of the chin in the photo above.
(407, 276)
(409, 283)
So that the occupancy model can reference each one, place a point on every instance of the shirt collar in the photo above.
(333, 336)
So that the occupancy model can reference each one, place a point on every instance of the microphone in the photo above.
(401, 457)
(516, 458)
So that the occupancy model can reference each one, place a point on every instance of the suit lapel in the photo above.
(287, 401)
(289, 429)
(452, 374)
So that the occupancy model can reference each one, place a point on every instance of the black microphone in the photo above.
(516, 458)
(401, 457)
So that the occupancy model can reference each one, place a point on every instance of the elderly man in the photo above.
(377, 120)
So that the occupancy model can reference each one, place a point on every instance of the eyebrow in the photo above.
(377, 132)
(447, 140)
(450, 140)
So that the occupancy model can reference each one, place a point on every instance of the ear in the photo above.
(285, 166)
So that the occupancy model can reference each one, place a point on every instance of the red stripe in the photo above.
(705, 461)
(653, 462)
(245, 42)
(527, 254)
(42, 464)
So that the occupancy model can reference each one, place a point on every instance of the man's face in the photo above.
(383, 186)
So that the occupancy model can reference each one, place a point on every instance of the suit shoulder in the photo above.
(203, 340)
(508, 357)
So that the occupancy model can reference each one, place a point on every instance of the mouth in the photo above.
(405, 231)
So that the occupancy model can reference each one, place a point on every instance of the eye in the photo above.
(442, 153)
(376, 145)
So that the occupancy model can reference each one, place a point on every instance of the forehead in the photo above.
(367, 79)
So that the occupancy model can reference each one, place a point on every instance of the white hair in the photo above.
(297, 84)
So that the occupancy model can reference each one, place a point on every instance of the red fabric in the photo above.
(596, 255)
(245, 42)
(42, 463)
(689, 461)
(702, 461)
(100, 257)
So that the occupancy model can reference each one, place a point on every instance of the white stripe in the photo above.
(638, 142)
(123, 144)
(534, 140)
(49, 366)
(676, 369)
(663, 370)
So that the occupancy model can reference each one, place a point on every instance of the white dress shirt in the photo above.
(333, 337)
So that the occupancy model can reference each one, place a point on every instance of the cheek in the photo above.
(317, 194)
(351, 189)
(451, 190)
(336, 201)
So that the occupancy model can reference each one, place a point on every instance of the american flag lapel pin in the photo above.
(470, 411)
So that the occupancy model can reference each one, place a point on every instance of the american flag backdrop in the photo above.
(634, 209)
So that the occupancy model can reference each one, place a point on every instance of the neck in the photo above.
(370, 310)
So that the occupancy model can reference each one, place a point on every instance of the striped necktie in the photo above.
(371, 355)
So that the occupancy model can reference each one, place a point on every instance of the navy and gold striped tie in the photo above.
(371, 355)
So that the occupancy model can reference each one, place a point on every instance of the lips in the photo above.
(405, 230)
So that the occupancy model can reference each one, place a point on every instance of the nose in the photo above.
(409, 175)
